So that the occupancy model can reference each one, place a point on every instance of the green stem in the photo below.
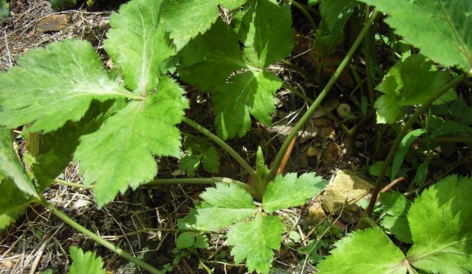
(199, 181)
(100, 240)
(222, 143)
(324, 110)
(403, 132)
(62, 182)
(305, 13)
(317, 102)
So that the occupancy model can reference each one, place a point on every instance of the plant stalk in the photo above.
(391, 154)
(100, 240)
(222, 143)
(276, 163)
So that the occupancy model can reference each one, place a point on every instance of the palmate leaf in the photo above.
(185, 19)
(410, 82)
(63, 79)
(255, 241)
(364, 252)
(138, 43)
(85, 262)
(288, 191)
(11, 168)
(223, 205)
(240, 87)
(441, 228)
(120, 154)
(441, 28)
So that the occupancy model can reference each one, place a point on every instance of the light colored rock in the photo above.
(344, 191)
(53, 23)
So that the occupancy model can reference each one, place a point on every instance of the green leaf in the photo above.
(10, 166)
(287, 191)
(57, 147)
(403, 149)
(85, 262)
(12, 204)
(185, 19)
(135, 134)
(63, 79)
(401, 89)
(441, 228)
(248, 93)
(261, 168)
(13, 200)
(396, 207)
(185, 240)
(239, 85)
(4, 9)
(364, 252)
(224, 204)
(138, 43)
(62, 4)
(439, 28)
(449, 128)
(208, 60)
(199, 150)
(336, 13)
(255, 241)
(267, 33)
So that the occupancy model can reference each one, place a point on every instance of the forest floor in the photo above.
(144, 222)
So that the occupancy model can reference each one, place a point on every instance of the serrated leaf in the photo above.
(336, 12)
(255, 241)
(449, 127)
(224, 204)
(138, 43)
(185, 19)
(396, 206)
(135, 134)
(12, 204)
(198, 150)
(240, 87)
(85, 262)
(10, 166)
(403, 149)
(288, 191)
(364, 252)
(209, 59)
(439, 28)
(57, 147)
(267, 33)
(441, 228)
(401, 89)
(248, 93)
(63, 79)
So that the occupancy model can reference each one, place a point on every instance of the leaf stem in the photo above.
(199, 181)
(100, 240)
(275, 164)
(403, 132)
(222, 143)
(66, 183)
(303, 10)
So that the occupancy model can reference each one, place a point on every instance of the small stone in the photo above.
(53, 23)
(343, 192)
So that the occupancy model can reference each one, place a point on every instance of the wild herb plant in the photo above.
(116, 124)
